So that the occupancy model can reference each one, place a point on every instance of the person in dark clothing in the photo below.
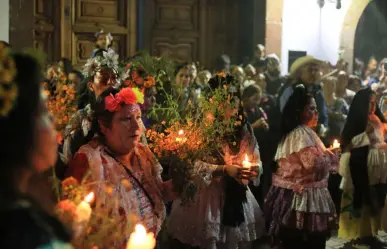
(273, 77)
(261, 113)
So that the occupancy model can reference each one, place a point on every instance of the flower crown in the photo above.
(108, 59)
(126, 96)
(8, 88)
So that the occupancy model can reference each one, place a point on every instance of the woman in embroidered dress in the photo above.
(28, 147)
(224, 212)
(116, 158)
(363, 167)
(298, 208)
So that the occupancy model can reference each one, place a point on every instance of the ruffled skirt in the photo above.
(310, 211)
(199, 223)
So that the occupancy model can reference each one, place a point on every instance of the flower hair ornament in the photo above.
(108, 59)
(8, 88)
(126, 96)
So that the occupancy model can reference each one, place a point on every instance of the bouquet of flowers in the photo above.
(61, 101)
(196, 136)
(93, 224)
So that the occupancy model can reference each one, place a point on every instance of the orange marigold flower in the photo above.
(69, 182)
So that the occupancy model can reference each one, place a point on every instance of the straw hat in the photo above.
(303, 61)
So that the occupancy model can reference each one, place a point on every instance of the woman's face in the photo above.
(126, 128)
(103, 80)
(309, 73)
(183, 77)
(372, 104)
(45, 151)
(253, 101)
(310, 114)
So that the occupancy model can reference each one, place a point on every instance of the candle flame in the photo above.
(246, 158)
(89, 198)
(181, 132)
(140, 230)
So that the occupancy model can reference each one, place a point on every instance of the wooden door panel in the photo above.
(181, 15)
(97, 11)
(90, 16)
(185, 49)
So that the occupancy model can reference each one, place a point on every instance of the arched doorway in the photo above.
(371, 32)
(347, 39)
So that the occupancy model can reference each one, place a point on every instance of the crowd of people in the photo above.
(299, 188)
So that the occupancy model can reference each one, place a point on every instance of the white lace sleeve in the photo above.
(202, 172)
(360, 140)
(257, 161)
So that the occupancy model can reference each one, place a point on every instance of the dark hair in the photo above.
(99, 52)
(260, 63)
(181, 66)
(78, 73)
(221, 61)
(101, 114)
(357, 118)
(18, 129)
(292, 113)
(67, 65)
(84, 95)
(352, 79)
(251, 91)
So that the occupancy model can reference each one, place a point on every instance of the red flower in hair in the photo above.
(113, 103)
(127, 95)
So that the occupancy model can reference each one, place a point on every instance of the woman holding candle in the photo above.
(28, 147)
(117, 159)
(224, 212)
(363, 167)
(298, 208)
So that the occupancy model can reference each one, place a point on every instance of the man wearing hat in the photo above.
(306, 71)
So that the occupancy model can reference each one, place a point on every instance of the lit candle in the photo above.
(181, 138)
(140, 239)
(83, 210)
(246, 164)
(336, 144)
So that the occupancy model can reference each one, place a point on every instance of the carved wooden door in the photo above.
(175, 28)
(46, 28)
(83, 18)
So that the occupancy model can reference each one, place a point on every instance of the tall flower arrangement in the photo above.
(61, 102)
(196, 136)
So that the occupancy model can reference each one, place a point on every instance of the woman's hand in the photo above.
(260, 123)
(370, 128)
(250, 173)
(334, 151)
(233, 170)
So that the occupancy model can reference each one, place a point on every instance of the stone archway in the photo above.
(348, 32)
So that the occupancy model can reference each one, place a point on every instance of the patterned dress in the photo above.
(138, 186)
(299, 198)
